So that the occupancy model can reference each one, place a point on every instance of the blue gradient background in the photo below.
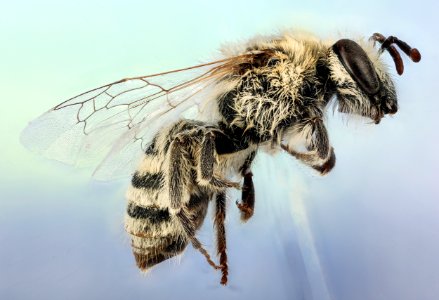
(368, 230)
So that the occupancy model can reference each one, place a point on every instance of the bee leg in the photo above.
(221, 183)
(197, 245)
(207, 157)
(176, 169)
(321, 156)
(189, 229)
(309, 159)
(206, 175)
(248, 190)
(327, 165)
(220, 215)
(248, 198)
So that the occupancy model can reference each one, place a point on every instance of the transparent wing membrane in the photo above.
(108, 127)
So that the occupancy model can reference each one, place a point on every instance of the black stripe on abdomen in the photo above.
(148, 181)
(153, 214)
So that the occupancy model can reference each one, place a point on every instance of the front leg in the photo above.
(309, 159)
(321, 156)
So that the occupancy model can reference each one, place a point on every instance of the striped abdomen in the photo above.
(156, 232)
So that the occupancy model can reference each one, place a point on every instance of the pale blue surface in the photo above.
(369, 230)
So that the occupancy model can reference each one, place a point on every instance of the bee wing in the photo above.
(108, 127)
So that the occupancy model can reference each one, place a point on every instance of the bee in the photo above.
(200, 128)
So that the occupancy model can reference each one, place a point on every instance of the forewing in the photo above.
(115, 120)
(108, 127)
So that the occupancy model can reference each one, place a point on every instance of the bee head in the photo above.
(363, 85)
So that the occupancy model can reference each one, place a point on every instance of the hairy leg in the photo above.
(324, 166)
(189, 149)
(207, 157)
(321, 156)
(207, 160)
(177, 172)
(248, 190)
(189, 229)
(220, 215)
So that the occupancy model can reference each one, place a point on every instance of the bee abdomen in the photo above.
(154, 215)
(148, 180)
(156, 235)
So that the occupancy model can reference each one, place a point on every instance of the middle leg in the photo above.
(248, 190)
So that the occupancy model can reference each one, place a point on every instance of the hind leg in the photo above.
(220, 216)
(191, 149)
(194, 149)
(189, 229)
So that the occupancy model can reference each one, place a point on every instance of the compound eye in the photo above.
(358, 65)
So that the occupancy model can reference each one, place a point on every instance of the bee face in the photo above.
(363, 86)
